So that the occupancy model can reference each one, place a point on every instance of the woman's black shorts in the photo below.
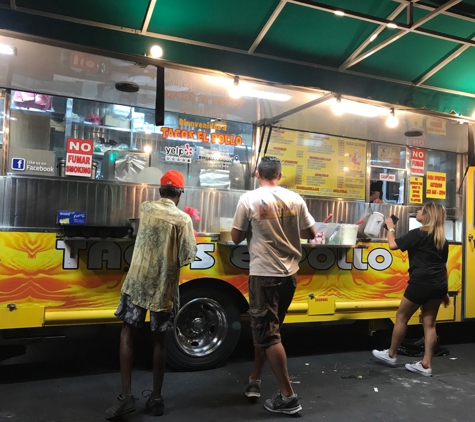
(420, 294)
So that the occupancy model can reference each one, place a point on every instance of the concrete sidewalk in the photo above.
(333, 386)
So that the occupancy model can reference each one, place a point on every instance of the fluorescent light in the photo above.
(6, 49)
(238, 88)
(373, 37)
(339, 13)
(356, 108)
(264, 95)
(392, 25)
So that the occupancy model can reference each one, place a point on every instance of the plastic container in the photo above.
(320, 237)
(332, 231)
(374, 224)
(61, 166)
(225, 226)
(348, 234)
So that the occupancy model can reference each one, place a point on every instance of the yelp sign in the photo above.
(179, 154)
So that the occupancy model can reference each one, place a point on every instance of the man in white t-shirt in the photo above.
(274, 220)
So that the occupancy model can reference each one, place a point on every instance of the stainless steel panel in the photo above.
(33, 203)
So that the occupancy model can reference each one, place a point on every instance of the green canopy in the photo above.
(425, 60)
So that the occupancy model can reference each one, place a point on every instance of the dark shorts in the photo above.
(420, 294)
(135, 315)
(269, 299)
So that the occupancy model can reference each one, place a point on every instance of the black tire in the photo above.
(206, 331)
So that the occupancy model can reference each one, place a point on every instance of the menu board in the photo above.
(320, 165)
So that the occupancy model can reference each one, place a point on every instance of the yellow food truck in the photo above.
(80, 154)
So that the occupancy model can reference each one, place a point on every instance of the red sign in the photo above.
(387, 177)
(79, 157)
(418, 157)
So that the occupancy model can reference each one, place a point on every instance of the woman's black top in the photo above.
(427, 264)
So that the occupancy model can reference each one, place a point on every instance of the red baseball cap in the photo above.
(173, 179)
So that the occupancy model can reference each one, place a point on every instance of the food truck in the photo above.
(84, 142)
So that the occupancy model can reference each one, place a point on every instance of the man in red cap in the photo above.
(165, 242)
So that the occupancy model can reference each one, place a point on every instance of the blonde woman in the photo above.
(428, 251)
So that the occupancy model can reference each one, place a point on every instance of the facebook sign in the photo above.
(18, 164)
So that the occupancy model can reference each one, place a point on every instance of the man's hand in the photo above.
(309, 233)
(446, 301)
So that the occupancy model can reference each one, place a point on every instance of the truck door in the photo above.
(469, 243)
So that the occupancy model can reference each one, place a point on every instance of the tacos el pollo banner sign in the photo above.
(39, 270)
(201, 136)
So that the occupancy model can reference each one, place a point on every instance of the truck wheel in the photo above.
(206, 331)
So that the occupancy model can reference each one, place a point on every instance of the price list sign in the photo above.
(319, 165)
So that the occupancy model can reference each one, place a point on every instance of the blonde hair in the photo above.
(433, 220)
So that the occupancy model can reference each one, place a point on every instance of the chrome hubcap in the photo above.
(200, 327)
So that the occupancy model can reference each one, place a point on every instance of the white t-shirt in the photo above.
(275, 216)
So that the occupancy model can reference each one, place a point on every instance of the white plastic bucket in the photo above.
(348, 234)
(374, 224)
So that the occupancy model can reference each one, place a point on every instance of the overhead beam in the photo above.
(400, 34)
(148, 16)
(267, 26)
(447, 13)
(410, 13)
(348, 13)
(442, 64)
(13, 4)
(371, 38)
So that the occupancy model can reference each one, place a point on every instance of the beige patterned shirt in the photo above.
(165, 242)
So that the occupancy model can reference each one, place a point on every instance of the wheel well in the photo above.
(219, 285)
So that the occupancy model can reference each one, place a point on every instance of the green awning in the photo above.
(427, 61)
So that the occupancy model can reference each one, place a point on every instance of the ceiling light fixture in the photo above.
(392, 25)
(8, 50)
(392, 121)
(156, 51)
(125, 86)
(339, 13)
(373, 37)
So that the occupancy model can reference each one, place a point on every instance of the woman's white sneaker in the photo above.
(383, 355)
(419, 369)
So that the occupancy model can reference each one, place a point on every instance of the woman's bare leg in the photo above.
(404, 313)
(429, 316)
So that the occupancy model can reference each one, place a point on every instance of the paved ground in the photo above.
(332, 369)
